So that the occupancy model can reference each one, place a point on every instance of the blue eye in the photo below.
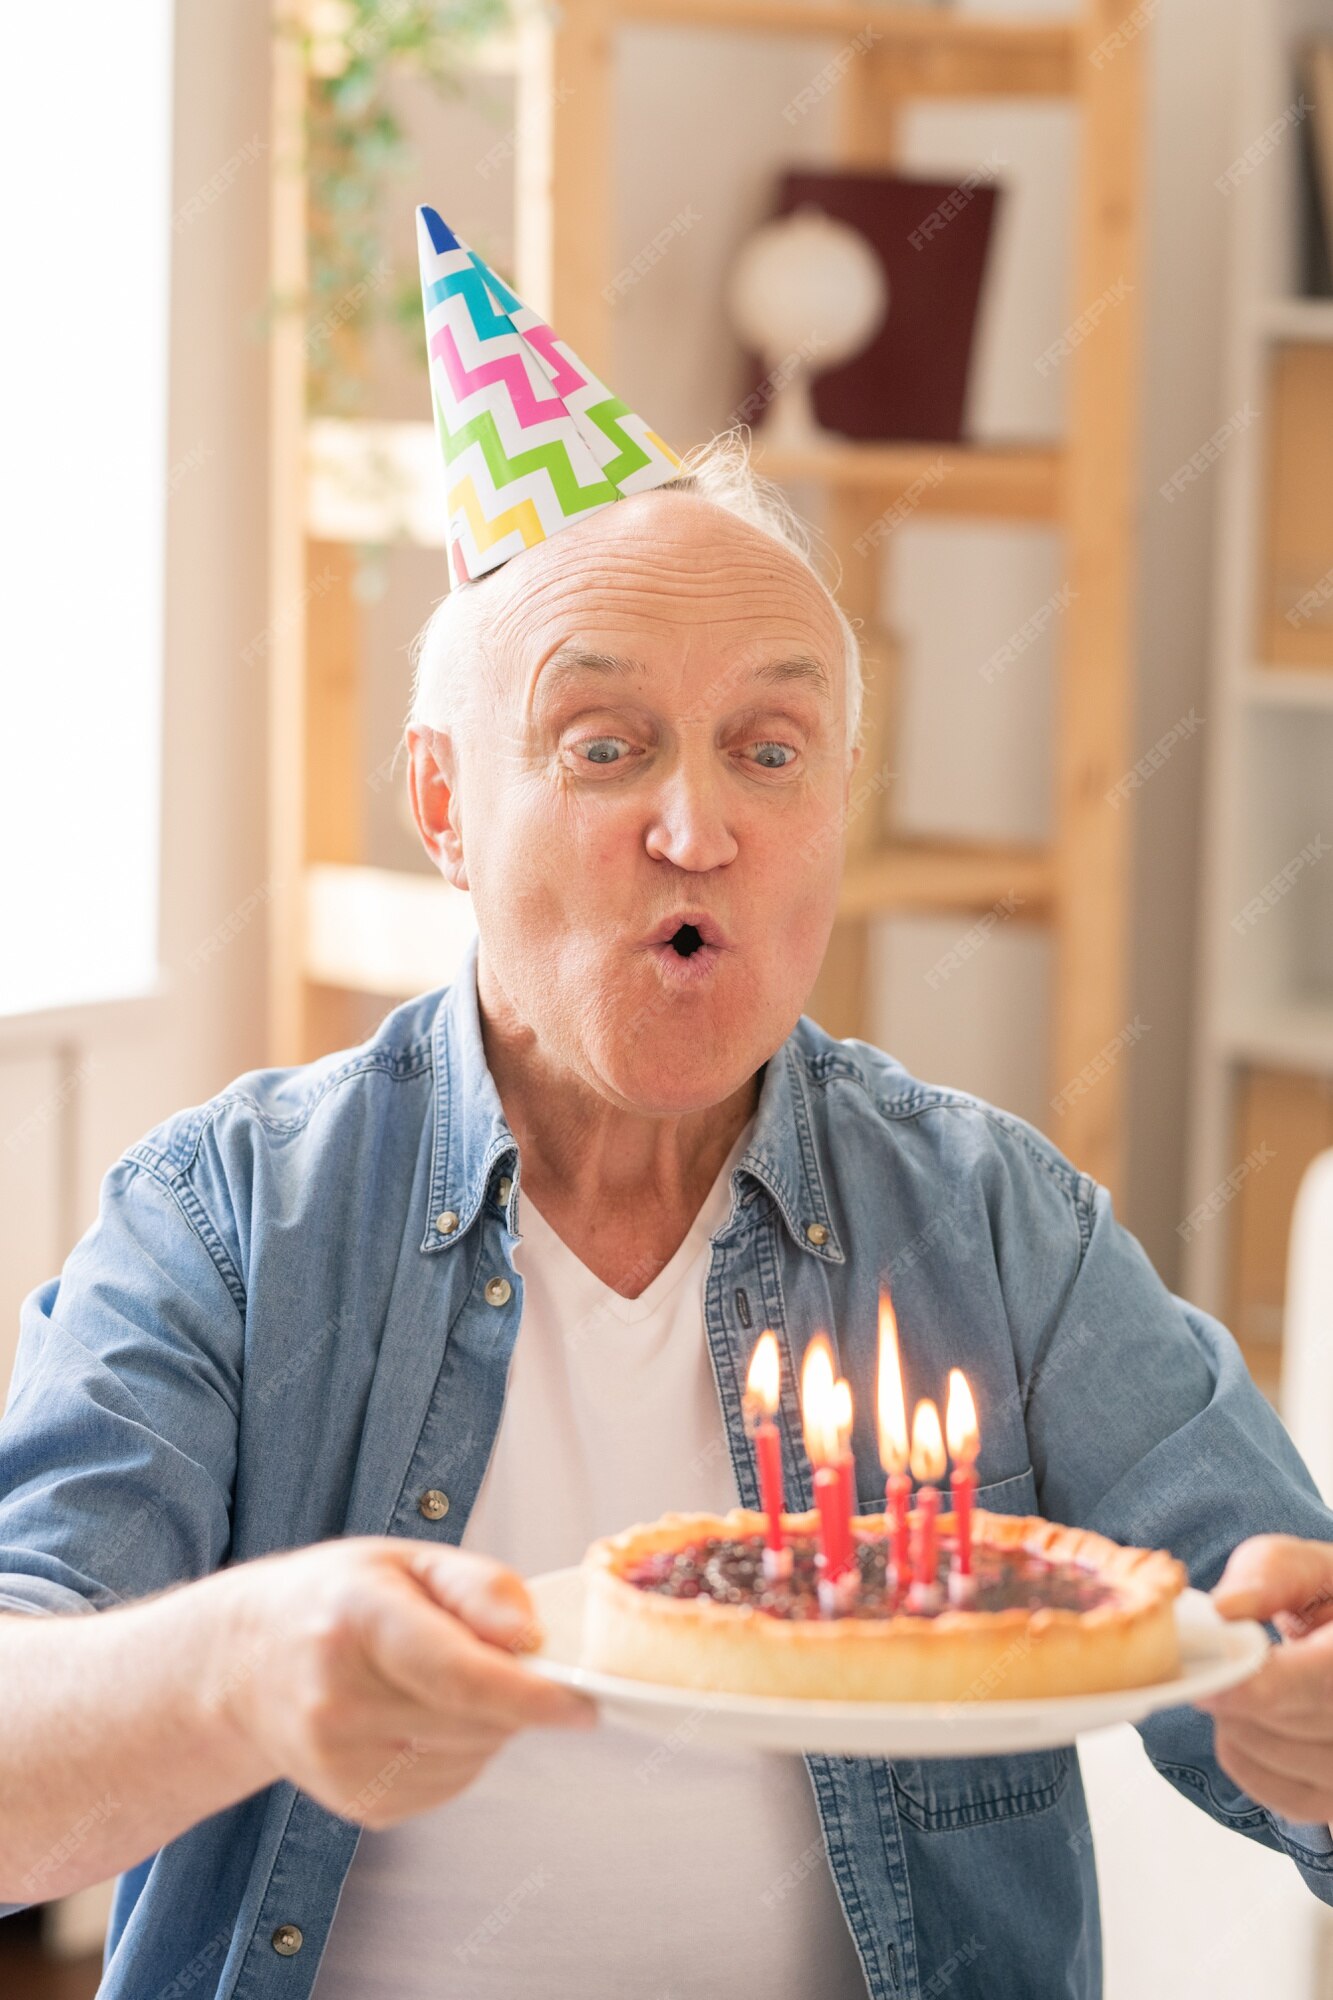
(768, 763)
(599, 747)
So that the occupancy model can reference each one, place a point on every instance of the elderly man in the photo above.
(354, 1347)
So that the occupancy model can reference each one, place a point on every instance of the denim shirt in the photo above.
(277, 1331)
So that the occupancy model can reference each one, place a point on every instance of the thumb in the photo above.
(489, 1598)
(1272, 1574)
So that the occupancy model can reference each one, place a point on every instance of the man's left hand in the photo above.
(1274, 1732)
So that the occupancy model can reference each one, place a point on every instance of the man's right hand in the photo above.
(378, 1673)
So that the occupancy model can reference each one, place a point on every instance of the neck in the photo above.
(620, 1186)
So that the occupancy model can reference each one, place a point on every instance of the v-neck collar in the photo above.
(713, 1212)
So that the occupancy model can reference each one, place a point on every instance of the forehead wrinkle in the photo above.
(564, 659)
(662, 608)
(566, 662)
(633, 564)
(570, 660)
(633, 581)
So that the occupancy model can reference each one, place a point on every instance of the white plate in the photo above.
(1215, 1652)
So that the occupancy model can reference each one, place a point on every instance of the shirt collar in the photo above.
(472, 1134)
(473, 1139)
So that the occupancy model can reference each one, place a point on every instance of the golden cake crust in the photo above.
(958, 1655)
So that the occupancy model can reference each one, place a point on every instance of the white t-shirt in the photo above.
(589, 1866)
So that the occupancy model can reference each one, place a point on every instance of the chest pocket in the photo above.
(946, 1794)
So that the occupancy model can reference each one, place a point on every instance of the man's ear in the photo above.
(852, 763)
(432, 788)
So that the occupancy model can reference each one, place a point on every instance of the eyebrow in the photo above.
(571, 660)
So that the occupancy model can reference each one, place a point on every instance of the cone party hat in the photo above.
(532, 441)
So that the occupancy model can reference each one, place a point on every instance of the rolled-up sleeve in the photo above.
(118, 1441)
(1145, 1424)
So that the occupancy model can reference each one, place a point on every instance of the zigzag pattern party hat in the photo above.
(532, 441)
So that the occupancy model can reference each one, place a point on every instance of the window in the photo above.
(85, 161)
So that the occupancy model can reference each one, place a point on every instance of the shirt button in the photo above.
(816, 1232)
(287, 1940)
(446, 1223)
(498, 1291)
(433, 1504)
(505, 1189)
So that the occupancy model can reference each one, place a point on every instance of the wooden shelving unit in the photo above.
(1262, 1089)
(334, 484)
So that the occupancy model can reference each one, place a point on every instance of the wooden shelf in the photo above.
(968, 878)
(1294, 318)
(1288, 687)
(1014, 482)
(1292, 1034)
(1268, 730)
(917, 51)
(383, 930)
(394, 932)
(383, 482)
(373, 482)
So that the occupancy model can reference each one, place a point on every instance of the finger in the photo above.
(377, 1718)
(1294, 1625)
(431, 1655)
(492, 1600)
(1272, 1573)
(1285, 1756)
(1311, 1725)
(1293, 1687)
(1289, 1796)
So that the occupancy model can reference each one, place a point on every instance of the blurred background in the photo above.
(1032, 313)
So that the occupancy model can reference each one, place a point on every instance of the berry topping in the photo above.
(731, 1571)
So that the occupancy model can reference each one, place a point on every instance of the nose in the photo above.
(688, 824)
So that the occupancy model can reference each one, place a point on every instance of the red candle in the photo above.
(846, 1459)
(925, 1580)
(832, 1521)
(768, 1450)
(964, 1443)
(898, 1501)
(820, 1407)
(928, 1462)
(893, 1450)
(761, 1401)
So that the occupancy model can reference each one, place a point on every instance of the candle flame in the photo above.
(961, 1419)
(762, 1381)
(892, 1406)
(842, 1412)
(928, 1460)
(818, 1412)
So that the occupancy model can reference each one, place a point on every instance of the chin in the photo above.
(679, 1103)
(670, 1075)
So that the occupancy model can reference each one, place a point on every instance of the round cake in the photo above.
(1051, 1611)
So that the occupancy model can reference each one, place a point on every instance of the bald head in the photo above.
(649, 543)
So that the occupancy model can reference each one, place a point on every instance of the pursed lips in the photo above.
(708, 932)
(687, 949)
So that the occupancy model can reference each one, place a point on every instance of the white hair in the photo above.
(451, 645)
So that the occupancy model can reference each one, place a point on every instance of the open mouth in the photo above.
(685, 941)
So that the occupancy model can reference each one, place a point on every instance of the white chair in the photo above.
(1189, 1909)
